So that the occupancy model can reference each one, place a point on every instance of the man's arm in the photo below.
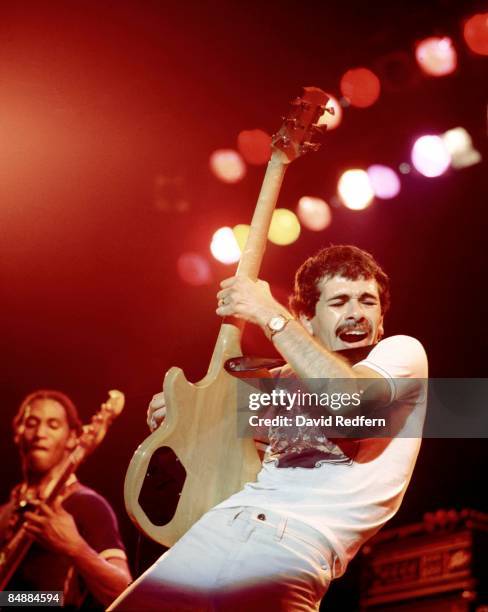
(104, 578)
(253, 302)
(56, 529)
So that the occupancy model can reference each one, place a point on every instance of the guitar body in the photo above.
(196, 459)
(202, 462)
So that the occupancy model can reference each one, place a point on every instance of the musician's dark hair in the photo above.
(72, 417)
(336, 260)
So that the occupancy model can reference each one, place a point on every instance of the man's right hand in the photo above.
(156, 411)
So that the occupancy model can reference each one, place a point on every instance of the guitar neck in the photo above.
(228, 340)
(291, 141)
(70, 465)
(252, 255)
(12, 556)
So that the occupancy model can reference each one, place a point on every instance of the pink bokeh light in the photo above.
(430, 156)
(384, 181)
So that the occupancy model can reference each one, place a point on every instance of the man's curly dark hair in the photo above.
(337, 260)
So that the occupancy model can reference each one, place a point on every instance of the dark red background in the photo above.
(97, 98)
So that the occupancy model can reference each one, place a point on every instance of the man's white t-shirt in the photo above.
(348, 502)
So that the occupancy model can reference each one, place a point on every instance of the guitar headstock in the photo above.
(300, 125)
(95, 431)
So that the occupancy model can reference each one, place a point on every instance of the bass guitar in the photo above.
(195, 459)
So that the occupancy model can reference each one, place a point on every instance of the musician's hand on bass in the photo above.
(156, 411)
(247, 299)
(54, 528)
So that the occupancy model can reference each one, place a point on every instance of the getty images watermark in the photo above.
(299, 405)
(364, 408)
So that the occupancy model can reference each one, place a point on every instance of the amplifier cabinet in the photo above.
(442, 570)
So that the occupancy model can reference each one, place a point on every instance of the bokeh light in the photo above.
(285, 227)
(241, 232)
(384, 181)
(314, 213)
(460, 147)
(436, 56)
(227, 165)
(332, 121)
(355, 189)
(224, 246)
(254, 146)
(194, 269)
(476, 33)
(361, 87)
(430, 156)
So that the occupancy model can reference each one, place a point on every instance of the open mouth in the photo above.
(353, 336)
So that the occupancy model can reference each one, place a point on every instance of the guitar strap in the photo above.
(248, 366)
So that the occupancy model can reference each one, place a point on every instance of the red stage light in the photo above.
(361, 87)
(254, 146)
(194, 269)
(476, 33)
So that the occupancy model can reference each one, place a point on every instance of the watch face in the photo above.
(277, 323)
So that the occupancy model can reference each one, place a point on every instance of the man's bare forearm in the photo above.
(105, 580)
(310, 360)
(307, 357)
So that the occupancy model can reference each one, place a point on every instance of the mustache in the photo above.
(352, 326)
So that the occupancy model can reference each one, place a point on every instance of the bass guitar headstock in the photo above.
(95, 431)
(295, 137)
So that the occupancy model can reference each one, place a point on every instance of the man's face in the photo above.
(348, 313)
(44, 436)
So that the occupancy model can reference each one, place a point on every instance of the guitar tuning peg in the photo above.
(290, 121)
(302, 103)
(284, 141)
(319, 129)
(309, 146)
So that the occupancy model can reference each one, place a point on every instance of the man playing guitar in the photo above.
(277, 543)
(76, 545)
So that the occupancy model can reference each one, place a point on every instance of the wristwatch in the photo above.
(276, 324)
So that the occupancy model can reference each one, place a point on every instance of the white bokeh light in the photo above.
(228, 165)
(331, 120)
(224, 246)
(436, 56)
(460, 147)
(314, 213)
(355, 189)
(430, 156)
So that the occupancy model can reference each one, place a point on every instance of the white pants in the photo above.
(237, 559)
